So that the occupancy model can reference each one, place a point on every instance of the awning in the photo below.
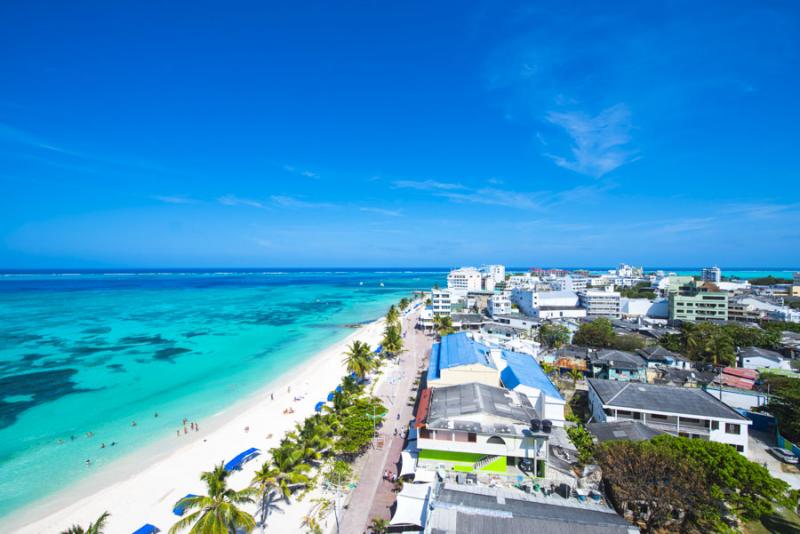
(424, 476)
(411, 446)
(412, 431)
(408, 463)
(179, 507)
(412, 505)
(240, 459)
(147, 529)
(318, 406)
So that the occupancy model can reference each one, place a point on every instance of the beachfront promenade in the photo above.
(374, 496)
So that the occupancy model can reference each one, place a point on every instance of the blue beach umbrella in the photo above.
(331, 395)
(318, 407)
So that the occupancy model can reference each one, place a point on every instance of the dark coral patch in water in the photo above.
(144, 340)
(170, 353)
(116, 367)
(97, 330)
(40, 387)
(194, 334)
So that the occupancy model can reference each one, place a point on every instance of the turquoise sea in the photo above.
(92, 352)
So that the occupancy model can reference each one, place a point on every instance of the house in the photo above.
(618, 365)
(498, 305)
(459, 359)
(758, 358)
(622, 430)
(479, 428)
(467, 321)
(425, 319)
(685, 378)
(688, 412)
(466, 509)
(523, 375)
(441, 301)
(658, 356)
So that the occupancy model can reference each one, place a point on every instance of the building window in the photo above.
(424, 433)
(657, 416)
(496, 440)
(714, 425)
(444, 435)
(731, 428)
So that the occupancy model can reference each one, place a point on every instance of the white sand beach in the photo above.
(143, 487)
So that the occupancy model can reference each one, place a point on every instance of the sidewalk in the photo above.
(374, 496)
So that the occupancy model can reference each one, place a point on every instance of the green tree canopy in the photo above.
(699, 478)
(784, 403)
(218, 512)
(553, 335)
(598, 334)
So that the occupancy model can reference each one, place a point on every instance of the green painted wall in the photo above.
(463, 461)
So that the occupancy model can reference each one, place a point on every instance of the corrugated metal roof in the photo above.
(523, 369)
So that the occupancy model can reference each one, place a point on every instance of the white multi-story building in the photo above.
(601, 303)
(628, 271)
(441, 301)
(548, 304)
(680, 411)
(712, 274)
(497, 272)
(488, 283)
(461, 281)
(570, 283)
(499, 305)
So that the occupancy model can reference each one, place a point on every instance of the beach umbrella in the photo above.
(331, 395)
(318, 407)
(338, 389)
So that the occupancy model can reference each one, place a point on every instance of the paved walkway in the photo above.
(374, 496)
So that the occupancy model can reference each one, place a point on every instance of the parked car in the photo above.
(783, 455)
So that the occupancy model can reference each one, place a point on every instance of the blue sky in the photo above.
(395, 134)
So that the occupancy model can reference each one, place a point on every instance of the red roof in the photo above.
(735, 382)
(424, 405)
(750, 374)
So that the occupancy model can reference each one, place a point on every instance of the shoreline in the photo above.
(142, 486)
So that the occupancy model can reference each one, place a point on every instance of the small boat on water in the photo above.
(381, 284)
(361, 283)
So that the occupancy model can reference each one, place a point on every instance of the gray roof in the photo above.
(657, 398)
(755, 352)
(617, 359)
(460, 404)
(629, 430)
(472, 318)
(465, 512)
(658, 353)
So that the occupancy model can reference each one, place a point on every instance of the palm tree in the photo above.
(358, 358)
(288, 469)
(379, 525)
(93, 528)
(575, 375)
(392, 339)
(404, 302)
(392, 317)
(266, 483)
(548, 368)
(218, 512)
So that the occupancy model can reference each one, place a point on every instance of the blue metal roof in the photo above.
(523, 369)
(456, 350)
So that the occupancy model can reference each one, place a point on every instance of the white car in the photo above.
(783, 455)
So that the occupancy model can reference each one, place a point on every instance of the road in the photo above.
(758, 444)
(373, 496)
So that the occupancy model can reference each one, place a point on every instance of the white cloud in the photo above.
(381, 211)
(233, 200)
(175, 199)
(497, 197)
(304, 173)
(597, 142)
(292, 202)
(426, 185)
